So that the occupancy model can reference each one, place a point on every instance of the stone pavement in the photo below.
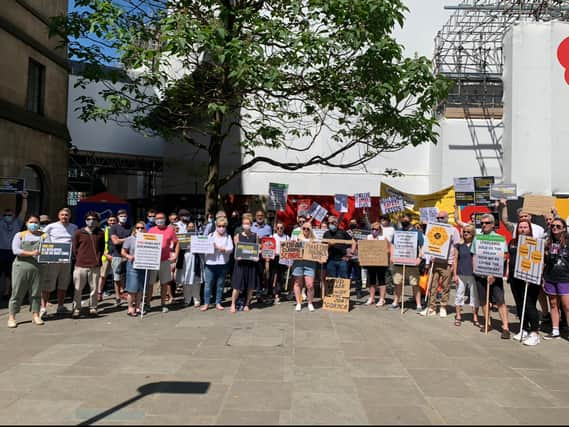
(275, 366)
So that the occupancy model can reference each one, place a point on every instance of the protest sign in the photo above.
(391, 205)
(319, 233)
(184, 239)
(315, 251)
(303, 207)
(148, 249)
(336, 294)
(291, 250)
(464, 191)
(341, 203)
(405, 248)
(268, 247)
(202, 245)
(11, 185)
(529, 259)
(277, 197)
(538, 205)
(428, 215)
(490, 250)
(504, 191)
(360, 234)
(317, 211)
(482, 189)
(438, 239)
(363, 200)
(373, 253)
(54, 253)
(247, 251)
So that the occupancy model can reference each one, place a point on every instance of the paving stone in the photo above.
(266, 395)
(245, 417)
(540, 416)
(435, 382)
(331, 409)
(389, 391)
(401, 415)
(469, 411)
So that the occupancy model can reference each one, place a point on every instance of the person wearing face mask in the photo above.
(26, 272)
(150, 219)
(134, 276)
(106, 258)
(354, 268)
(234, 222)
(88, 248)
(337, 265)
(210, 226)
(192, 275)
(58, 275)
(10, 224)
(262, 229)
(119, 233)
(182, 224)
(376, 275)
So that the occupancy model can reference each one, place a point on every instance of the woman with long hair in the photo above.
(303, 270)
(463, 275)
(376, 275)
(246, 273)
(134, 276)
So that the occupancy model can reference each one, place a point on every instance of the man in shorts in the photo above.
(106, 258)
(119, 233)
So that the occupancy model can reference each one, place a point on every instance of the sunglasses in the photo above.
(375, 229)
(280, 228)
(441, 217)
(467, 232)
(140, 228)
(486, 222)
(306, 228)
(557, 226)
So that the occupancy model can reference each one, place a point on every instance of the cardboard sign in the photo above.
(391, 205)
(148, 249)
(277, 197)
(319, 233)
(268, 247)
(405, 248)
(303, 207)
(247, 251)
(291, 250)
(315, 251)
(490, 250)
(428, 215)
(202, 245)
(184, 239)
(54, 253)
(504, 191)
(529, 259)
(336, 295)
(341, 203)
(317, 212)
(11, 185)
(438, 240)
(363, 200)
(538, 205)
(373, 253)
(360, 234)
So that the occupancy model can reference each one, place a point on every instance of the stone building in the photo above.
(34, 76)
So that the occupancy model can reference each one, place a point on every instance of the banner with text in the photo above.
(405, 248)
(148, 248)
(529, 259)
(490, 249)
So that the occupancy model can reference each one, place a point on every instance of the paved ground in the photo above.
(275, 366)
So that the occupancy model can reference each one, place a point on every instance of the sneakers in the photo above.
(442, 312)
(428, 312)
(165, 309)
(369, 301)
(419, 309)
(43, 312)
(532, 339)
(522, 335)
(298, 307)
(380, 303)
(393, 307)
(310, 307)
(505, 334)
(197, 303)
(118, 302)
(93, 312)
(277, 300)
(552, 336)
(37, 321)
(62, 310)
(12, 323)
(76, 314)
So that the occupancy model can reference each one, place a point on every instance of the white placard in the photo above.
(363, 200)
(405, 248)
(438, 240)
(319, 233)
(529, 259)
(464, 185)
(148, 250)
(490, 250)
(202, 245)
(428, 214)
(277, 196)
(317, 212)
(391, 205)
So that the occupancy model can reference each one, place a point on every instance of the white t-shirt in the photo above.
(278, 240)
(218, 257)
(537, 231)
(56, 232)
(388, 233)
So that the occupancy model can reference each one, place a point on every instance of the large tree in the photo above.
(279, 71)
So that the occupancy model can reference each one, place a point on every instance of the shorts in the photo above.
(118, 264)
(376, 276)
(304, 268)
(6, 259)
(105, 268)
(496, 290)
(134, 279)
(411, 273)
(164, 275)
(551, 288)
(58, 276)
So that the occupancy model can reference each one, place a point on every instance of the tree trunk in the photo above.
(212, 183)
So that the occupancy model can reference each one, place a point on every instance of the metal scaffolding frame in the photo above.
(468, 50)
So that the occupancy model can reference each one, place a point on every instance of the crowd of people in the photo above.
(110, 250)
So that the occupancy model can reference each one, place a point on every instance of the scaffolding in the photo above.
(468, 50)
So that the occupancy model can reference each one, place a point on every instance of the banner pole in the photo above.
(523, 313)
(429, 284)
(287, 276)
(487, 313)
(403, 291)
(144, 293)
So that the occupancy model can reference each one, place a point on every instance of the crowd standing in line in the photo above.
(98, 252)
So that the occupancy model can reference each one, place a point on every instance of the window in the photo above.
(34, 186)
(36, 87)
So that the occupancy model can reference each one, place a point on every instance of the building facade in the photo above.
(33, 103)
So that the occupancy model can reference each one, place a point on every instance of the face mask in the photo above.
(405, 224)
(333, 227)
(260, 221)
(33, 226)
(210, 220)
(246, 227)
(221, 230)
(151, 219)
(8, 218)
(375, 233)
(185, 218)
(122, 219)
(353, 226)
(160, 222)
(90, 223)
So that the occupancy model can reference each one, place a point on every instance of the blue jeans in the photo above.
(337, 269)
(214, 276)
(355, 273)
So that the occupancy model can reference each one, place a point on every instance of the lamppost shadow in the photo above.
(163, 387)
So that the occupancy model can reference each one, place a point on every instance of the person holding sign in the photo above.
(493, 281)
(337, 265)
(556, 273)
(26, 271)
(277, 270)
(376, 275)
(302, 269)
(463, 275)
(193, 274)
(246, 273)
(134, 277)
(529, 331)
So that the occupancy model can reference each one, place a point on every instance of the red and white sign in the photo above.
(363, 200)
(268, 247)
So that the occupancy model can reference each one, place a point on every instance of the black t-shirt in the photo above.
(337, 252)
(464, 266)
(556, 263)
(121, 232)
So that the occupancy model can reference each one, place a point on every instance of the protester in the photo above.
(529, 331)
(88, 248)
(463, 275)
(58, 275)
(387, 229)
(304, 270)
(246, 273)
(354, 268)
(376, 275)
(262, 229)
(556, 274)
(411, 271)
(106, 267)
(119, 233)
(182, 224)
(297, 230)
(337, 265)
(496, 283)
(459, 222)
(135, 277)
(537, 231)
(164, 275)
(150, 219)
(210, 226)
(192, 275)
(44, 221)
(26, 272)
(234, 222)
(277, 270)
(173, 221)
(216, 264)
(441, 273)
